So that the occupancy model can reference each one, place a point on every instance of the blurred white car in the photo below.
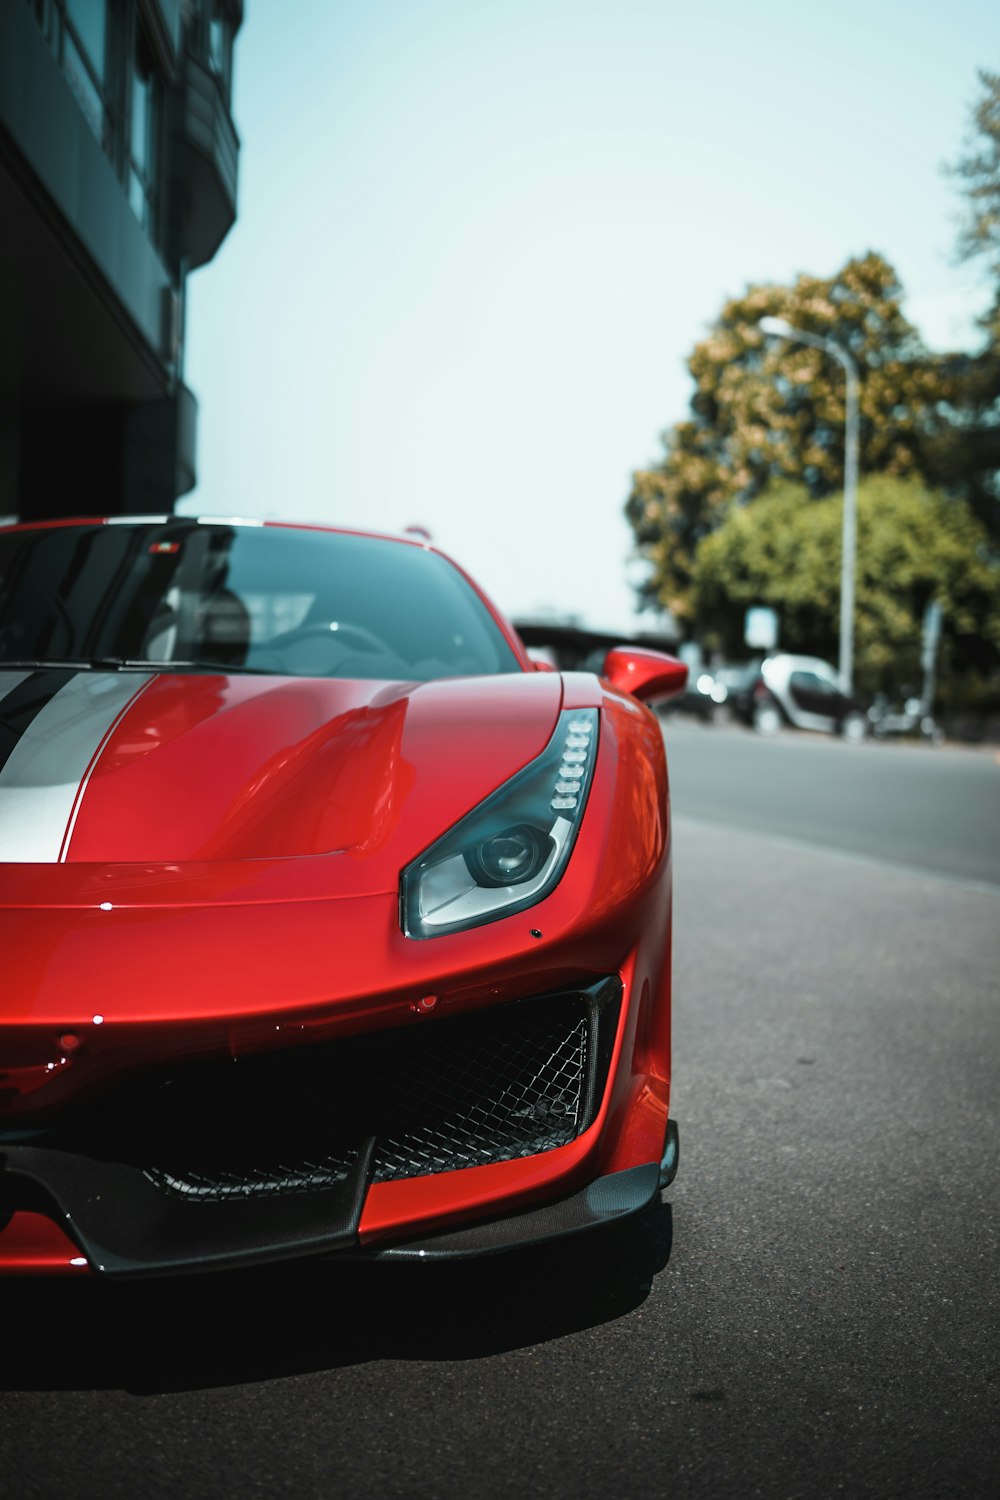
(804, 691)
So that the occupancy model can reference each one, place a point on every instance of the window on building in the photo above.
(82, 36)
(84, 60)
(145, 106)
(220, 45)
(106, 55)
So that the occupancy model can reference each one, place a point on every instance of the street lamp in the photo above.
(849, 544)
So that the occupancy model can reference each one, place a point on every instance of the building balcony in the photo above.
(209, 163)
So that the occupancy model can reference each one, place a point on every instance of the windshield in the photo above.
(241, 598)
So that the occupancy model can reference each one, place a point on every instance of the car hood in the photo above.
(166, 770)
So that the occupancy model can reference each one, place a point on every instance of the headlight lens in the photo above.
(512, 850)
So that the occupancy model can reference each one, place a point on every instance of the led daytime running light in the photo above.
(576, 759)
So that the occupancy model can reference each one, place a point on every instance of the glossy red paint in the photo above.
(32, 1244)
(651, 676)
(219, 770)
(185, 962)
(237, 891)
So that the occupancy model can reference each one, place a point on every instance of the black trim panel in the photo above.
(23, 704)
(601, 1202)
(127, 1227)
(671, 1155)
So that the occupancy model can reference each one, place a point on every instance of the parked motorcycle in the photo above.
(908, 718)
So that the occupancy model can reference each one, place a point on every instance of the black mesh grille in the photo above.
(504, 1083)
(515, 1092)
(216, 1181)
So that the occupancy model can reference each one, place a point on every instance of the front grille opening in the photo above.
(517, 1092)
(508, 1082)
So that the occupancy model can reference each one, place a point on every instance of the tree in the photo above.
(913, 545)
(979, 173)
(766, 409)
(965, 455)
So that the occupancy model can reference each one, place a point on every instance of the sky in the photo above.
(478, 239)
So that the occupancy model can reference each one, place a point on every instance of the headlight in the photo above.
(512, 850)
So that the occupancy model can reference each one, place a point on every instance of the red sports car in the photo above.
(331, 923)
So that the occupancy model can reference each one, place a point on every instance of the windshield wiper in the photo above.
(129, 664)
(202, 664)
(43, 663)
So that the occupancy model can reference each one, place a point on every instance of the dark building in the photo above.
(118, 161)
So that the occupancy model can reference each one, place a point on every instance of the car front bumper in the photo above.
(403, 1168)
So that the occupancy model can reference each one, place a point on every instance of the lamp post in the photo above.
(849, 535)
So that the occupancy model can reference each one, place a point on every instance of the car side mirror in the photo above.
(650, 676)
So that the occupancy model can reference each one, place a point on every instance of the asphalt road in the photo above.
(897, 801)
(812, 1312)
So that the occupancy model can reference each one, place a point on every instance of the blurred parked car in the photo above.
(718, 694)
(803, 691)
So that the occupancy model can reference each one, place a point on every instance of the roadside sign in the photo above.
(760, 628)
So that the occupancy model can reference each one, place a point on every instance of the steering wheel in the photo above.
(334, 632)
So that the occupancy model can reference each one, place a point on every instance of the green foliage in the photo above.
(766, 409)
(965, 454)
(914, 544)
(978, 172)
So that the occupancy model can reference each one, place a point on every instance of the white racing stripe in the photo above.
(45, 775)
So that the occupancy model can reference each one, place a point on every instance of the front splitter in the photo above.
(602, 1202)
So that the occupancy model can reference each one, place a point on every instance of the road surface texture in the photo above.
(813, 1310)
